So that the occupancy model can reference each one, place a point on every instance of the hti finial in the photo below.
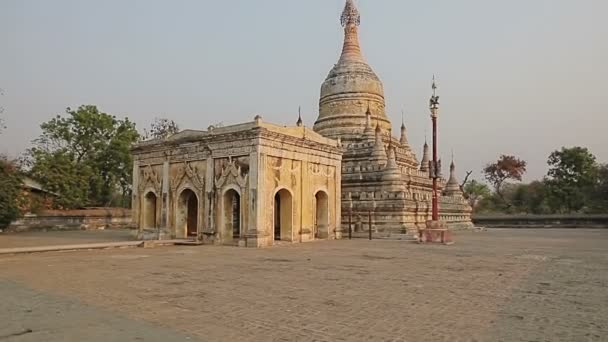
(403, 119)
(452, 165)
(350, 15)
(299, 123)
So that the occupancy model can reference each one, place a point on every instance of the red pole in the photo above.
(435, 197)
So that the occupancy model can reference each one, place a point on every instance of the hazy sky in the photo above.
(521, 77)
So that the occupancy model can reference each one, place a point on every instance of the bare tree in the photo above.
(161, 128)
(466, 180)
(2, 125)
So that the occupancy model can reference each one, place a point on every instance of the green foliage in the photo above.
(530, 198)
(575, 183)
(59, 173)
(599, 195)
(10, 191)
(85, 158)
(475, 191)
(572, 178)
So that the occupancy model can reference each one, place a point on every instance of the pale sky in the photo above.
(522, 77)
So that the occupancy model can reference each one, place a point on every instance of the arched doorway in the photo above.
(321, 215)
(283, 216)
(149, 211)
(232, 214)
(188, 213)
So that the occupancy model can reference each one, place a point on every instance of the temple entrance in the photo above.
(232, 213)
(283, 216)
(321, 216)
(149, 211)
(188, 213)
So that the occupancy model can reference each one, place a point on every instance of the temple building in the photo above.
(251, 184)
(380, 173)
(257, 183)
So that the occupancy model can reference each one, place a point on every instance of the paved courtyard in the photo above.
(499, 285)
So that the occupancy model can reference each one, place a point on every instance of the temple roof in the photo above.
(299, 132)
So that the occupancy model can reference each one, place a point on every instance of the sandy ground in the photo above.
(500, 285)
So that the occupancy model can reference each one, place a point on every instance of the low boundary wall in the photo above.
(85, 219)
(541, 221)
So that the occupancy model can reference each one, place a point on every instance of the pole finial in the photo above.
(434, 102)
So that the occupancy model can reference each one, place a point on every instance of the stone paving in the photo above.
(499, 285)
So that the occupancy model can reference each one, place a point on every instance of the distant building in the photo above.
(35, 198)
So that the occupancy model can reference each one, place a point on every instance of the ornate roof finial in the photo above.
(299, 123)
(434, 102)
(403, 119)
(350, 19)
(350, 15)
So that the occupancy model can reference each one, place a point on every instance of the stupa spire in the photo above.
(424, 164)
(403, 139)
(369, 130)
(351, 19)
(452, 188)
(379, 152)
(300, 122)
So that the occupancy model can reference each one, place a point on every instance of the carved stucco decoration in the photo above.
(232, 174)
(277, 164)
(323, 171)
(150, 178)
(190, 173)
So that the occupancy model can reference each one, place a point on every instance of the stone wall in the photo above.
(541, 221)
(86, 219)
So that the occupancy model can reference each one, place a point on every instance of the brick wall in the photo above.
(85, 219)
(541, 221)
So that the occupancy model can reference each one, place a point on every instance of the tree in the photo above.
(161, 128)
(530, 198)
(571, 178)
(85, 157)
(475, 191)
(599, 196)
(10, 185)
(466, 180)
(59, 173)
(505, 168)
